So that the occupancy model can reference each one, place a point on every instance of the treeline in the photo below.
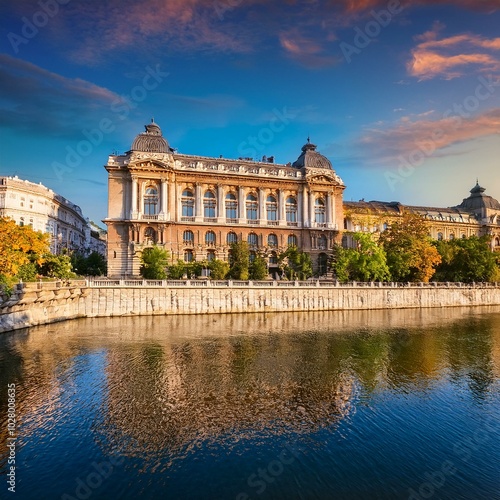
(292, 264)
(25, 255)
(406, 253)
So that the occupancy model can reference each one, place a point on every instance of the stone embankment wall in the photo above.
(34, 304)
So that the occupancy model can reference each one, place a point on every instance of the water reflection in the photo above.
(167, 386)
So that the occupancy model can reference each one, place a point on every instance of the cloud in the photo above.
(62, 106)
(450, 57)
(386, 144)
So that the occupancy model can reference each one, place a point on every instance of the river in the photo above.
(332, 405)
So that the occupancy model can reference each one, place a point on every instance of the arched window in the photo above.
(150, 235)
(452, 236)
(231, 206)
(385, 226)
(210, 238)
(210, 255)
(272, 240)
(21, 221)
(188, 237)
(273, 258)
(497, 242)
(291, 211)
(271, 208)
(292, 240)
(151, 201)
(232, 238)
(440, 236)
(253, 240)
(209, 205)
(252, 256)
(319, 211)
(188, 256)
(187, 203)
(463, 236)
(251, 207)
(322, 242)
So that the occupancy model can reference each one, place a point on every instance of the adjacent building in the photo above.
(31, 204)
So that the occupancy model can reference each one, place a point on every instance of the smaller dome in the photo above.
(310, 158)
(478, 200)
(151, 141)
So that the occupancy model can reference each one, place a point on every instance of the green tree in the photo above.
(466, 260)
(218, 269)
(411, 255)
(239, 261)
(93, 265)
(56, 266)
(154, 262)
(295, 263)
(258, 268)
(366, 262)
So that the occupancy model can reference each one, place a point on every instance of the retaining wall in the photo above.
(35, 304)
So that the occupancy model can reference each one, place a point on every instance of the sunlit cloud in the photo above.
(450, 57)
(387, 142)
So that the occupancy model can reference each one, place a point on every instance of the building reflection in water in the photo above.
(171, 384)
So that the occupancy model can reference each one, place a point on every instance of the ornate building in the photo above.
(477, 215)
(31, 204)
(195, 207)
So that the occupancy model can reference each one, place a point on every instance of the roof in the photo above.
(310, 158)
(478, 200)
(151, 141)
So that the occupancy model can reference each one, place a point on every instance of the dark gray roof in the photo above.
(478, 200)
(310, 158)
(151, 141)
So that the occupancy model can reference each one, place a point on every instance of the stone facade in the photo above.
(31, 204)
(196, 206)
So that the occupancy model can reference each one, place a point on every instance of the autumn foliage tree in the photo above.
(19, 245)
(411, 256)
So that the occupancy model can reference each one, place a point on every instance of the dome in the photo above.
(310, 158)
(151, 141)
(478, 200)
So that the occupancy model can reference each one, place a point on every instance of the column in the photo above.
(134, 211)
(262, 206)
(281, 207)
(328, 215)
(164, 200)
(242, 209)
(312, 218)
(305, 208)
(172, 209)
(221, 209)
(299, 208)
(198, 203)
(333, 213)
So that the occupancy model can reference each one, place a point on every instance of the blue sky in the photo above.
(403, 98)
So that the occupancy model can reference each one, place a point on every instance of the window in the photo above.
(452, 236)
(292, 240)
(209, 204)
(273, 258)
(188, 256)
(21, 221)
(272, 240)
(150, 234)
(150, 201)
(253, 240)
(187, 203)
(463, 236)
(291, 209)
(210, 238)
(252, 256)
(440, 236)
(322, 242)
(231, 238)
(231, 206)
(252, 207)
(188, 237)
(271, 208)
(319, 211)
(210, 255)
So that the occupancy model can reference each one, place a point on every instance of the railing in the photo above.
(314, 283)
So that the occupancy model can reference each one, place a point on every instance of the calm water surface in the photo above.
(337, 405)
